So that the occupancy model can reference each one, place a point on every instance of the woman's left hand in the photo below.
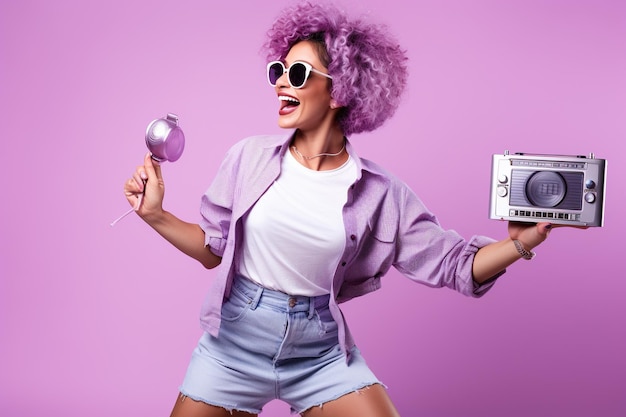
(529, 234)
(497, 256)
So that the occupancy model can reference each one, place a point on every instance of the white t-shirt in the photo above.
(294, 236)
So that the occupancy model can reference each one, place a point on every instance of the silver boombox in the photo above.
(554, 188)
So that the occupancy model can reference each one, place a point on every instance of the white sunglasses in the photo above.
(297, 73)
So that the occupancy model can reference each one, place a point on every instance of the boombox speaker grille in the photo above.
(547, 189)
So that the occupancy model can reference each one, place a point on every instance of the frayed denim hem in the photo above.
(358, 390)
(230, 408)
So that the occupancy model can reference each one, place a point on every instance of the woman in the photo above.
(299, 223)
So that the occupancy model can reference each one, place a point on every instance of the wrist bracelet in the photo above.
(526, 254)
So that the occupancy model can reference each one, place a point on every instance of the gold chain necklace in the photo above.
(308, 158)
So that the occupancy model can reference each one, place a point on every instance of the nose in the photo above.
(283, 80)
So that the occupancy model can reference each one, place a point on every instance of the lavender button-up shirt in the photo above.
(386, 225)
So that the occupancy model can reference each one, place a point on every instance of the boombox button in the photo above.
(503, 179)
(502, 191)
(590, 198)
(591, 184)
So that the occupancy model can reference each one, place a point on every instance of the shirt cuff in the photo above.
(474, 245)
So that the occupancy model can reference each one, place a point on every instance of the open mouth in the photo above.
(288, 104)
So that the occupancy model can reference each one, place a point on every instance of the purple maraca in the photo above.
(165, 139)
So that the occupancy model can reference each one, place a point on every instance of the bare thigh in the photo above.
(372, 401)
(186, 407)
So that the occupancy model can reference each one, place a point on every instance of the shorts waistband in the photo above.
(277, 299)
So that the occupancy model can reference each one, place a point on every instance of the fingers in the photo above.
(153, 168)
(544, 228)
(529, 234)
(140, 177)
(150, 169)
(136, 185)
(570, 226)
(532, 235)
(145, 189)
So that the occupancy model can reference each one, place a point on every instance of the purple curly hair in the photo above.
(368, 66)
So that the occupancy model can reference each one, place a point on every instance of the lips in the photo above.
(288, 104)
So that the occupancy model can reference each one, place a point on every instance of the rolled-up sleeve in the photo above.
(216, 205)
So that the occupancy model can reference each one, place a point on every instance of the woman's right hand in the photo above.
(146, 189)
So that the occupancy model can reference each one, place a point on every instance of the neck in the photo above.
(320, 141)
(320, 151)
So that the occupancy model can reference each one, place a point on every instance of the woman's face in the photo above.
(308, 107)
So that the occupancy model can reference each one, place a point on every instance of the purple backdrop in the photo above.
(100, 321)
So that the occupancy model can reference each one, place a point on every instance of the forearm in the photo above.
(187, 237)
(494, 258)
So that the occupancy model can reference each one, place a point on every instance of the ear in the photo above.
(333, 104)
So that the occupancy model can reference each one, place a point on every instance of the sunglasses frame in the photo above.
(308, 69)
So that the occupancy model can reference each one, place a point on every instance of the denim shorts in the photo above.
(273, 346)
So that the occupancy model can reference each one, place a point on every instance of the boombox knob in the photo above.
(590, 184)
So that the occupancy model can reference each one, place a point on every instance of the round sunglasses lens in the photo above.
(297, 74)
(274, 72)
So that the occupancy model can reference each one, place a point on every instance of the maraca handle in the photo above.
(135, 208)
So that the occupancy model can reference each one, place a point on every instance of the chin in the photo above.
(285, 124)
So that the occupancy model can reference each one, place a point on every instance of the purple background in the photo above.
(101, 321)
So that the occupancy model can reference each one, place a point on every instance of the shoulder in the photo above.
(259, 142)
(254, 158)
(374, 172)
(252, 149)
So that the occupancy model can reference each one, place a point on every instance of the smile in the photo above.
(287, 104)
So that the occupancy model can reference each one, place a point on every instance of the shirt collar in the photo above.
(282, 142)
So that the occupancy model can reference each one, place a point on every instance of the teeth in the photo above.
(286, 98)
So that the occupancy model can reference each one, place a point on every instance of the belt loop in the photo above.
(257, 297)
(311, 307)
